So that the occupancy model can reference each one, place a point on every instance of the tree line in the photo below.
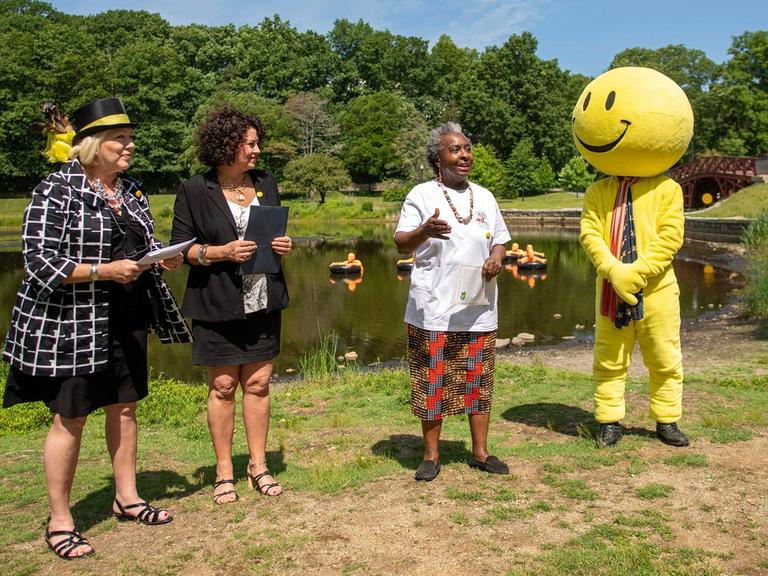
(353, 105)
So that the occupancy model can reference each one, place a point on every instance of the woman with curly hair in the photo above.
(235, 318)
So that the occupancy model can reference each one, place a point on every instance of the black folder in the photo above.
(264, 225)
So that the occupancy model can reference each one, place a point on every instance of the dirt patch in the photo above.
(465, 522)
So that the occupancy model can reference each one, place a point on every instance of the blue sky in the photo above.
(582, 35)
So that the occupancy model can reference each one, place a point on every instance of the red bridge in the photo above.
(708, 180)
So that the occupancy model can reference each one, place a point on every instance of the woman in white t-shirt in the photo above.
(456, 232)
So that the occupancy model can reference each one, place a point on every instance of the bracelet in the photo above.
(201, 255)
(94, 272)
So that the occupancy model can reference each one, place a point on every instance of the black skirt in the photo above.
(255, 339)
(124, 381)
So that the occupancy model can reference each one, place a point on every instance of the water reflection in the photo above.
(366, 310)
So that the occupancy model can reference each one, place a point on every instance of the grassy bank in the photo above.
(345, 446)
(747, 203)
(551, 201)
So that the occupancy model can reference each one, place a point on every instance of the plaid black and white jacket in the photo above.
(61, 329)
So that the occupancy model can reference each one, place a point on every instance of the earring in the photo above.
(439, 174)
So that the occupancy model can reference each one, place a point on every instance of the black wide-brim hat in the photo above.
(99, 115)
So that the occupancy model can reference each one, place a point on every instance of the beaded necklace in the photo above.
(468, 218)
(115, 198)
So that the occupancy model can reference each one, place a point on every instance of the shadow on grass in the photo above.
(160, 484)
(560, 418)
(563, 419)
(97, 505)
(408, 450)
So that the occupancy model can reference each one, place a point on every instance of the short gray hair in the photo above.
(435, 142)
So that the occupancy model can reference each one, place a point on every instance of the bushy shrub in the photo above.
(22, 417)
(172, 403)
(395, 194)
(367, 206)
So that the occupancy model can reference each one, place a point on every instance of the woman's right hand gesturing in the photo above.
(436, 228)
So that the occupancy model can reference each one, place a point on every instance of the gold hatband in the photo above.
(112, 120)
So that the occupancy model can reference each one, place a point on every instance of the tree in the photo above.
(691, 69)
(544, 178)
(376, 60)
(741, 101)
(521, 166)
(276, 60)
(315, 173)
(487, 169)
(318, 131)
(511, 94)
(375, 146)
(575, 175)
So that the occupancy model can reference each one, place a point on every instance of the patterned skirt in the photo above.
(451, 372)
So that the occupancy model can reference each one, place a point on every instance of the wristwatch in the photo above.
(94, 272)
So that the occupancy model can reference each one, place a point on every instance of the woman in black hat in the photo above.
(78, 335)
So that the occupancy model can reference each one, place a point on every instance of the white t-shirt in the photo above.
(447, 290)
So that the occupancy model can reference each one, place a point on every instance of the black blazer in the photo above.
(215, 293)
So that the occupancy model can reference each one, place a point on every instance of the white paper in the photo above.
(166, 252)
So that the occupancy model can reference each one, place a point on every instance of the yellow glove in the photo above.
(626, 282)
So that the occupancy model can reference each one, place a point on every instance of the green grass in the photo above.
(335, 437)
(551, 201)
(625, 547)
(654, 491)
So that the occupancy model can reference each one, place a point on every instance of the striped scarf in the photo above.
(624, 248)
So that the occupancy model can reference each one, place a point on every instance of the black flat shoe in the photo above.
(491, 465)
(427, 471)
(610, 434)
(671, 434)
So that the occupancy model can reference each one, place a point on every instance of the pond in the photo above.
(366, 313)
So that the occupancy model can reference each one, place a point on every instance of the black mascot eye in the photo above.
(586, 101)
(610, 100)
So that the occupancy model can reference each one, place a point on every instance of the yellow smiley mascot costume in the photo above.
(633, 124)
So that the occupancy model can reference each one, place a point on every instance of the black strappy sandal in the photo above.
(262, 488)
(62, 548)
(147, 514)
(220, 494)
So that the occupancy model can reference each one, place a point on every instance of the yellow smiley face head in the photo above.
(632, 122)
